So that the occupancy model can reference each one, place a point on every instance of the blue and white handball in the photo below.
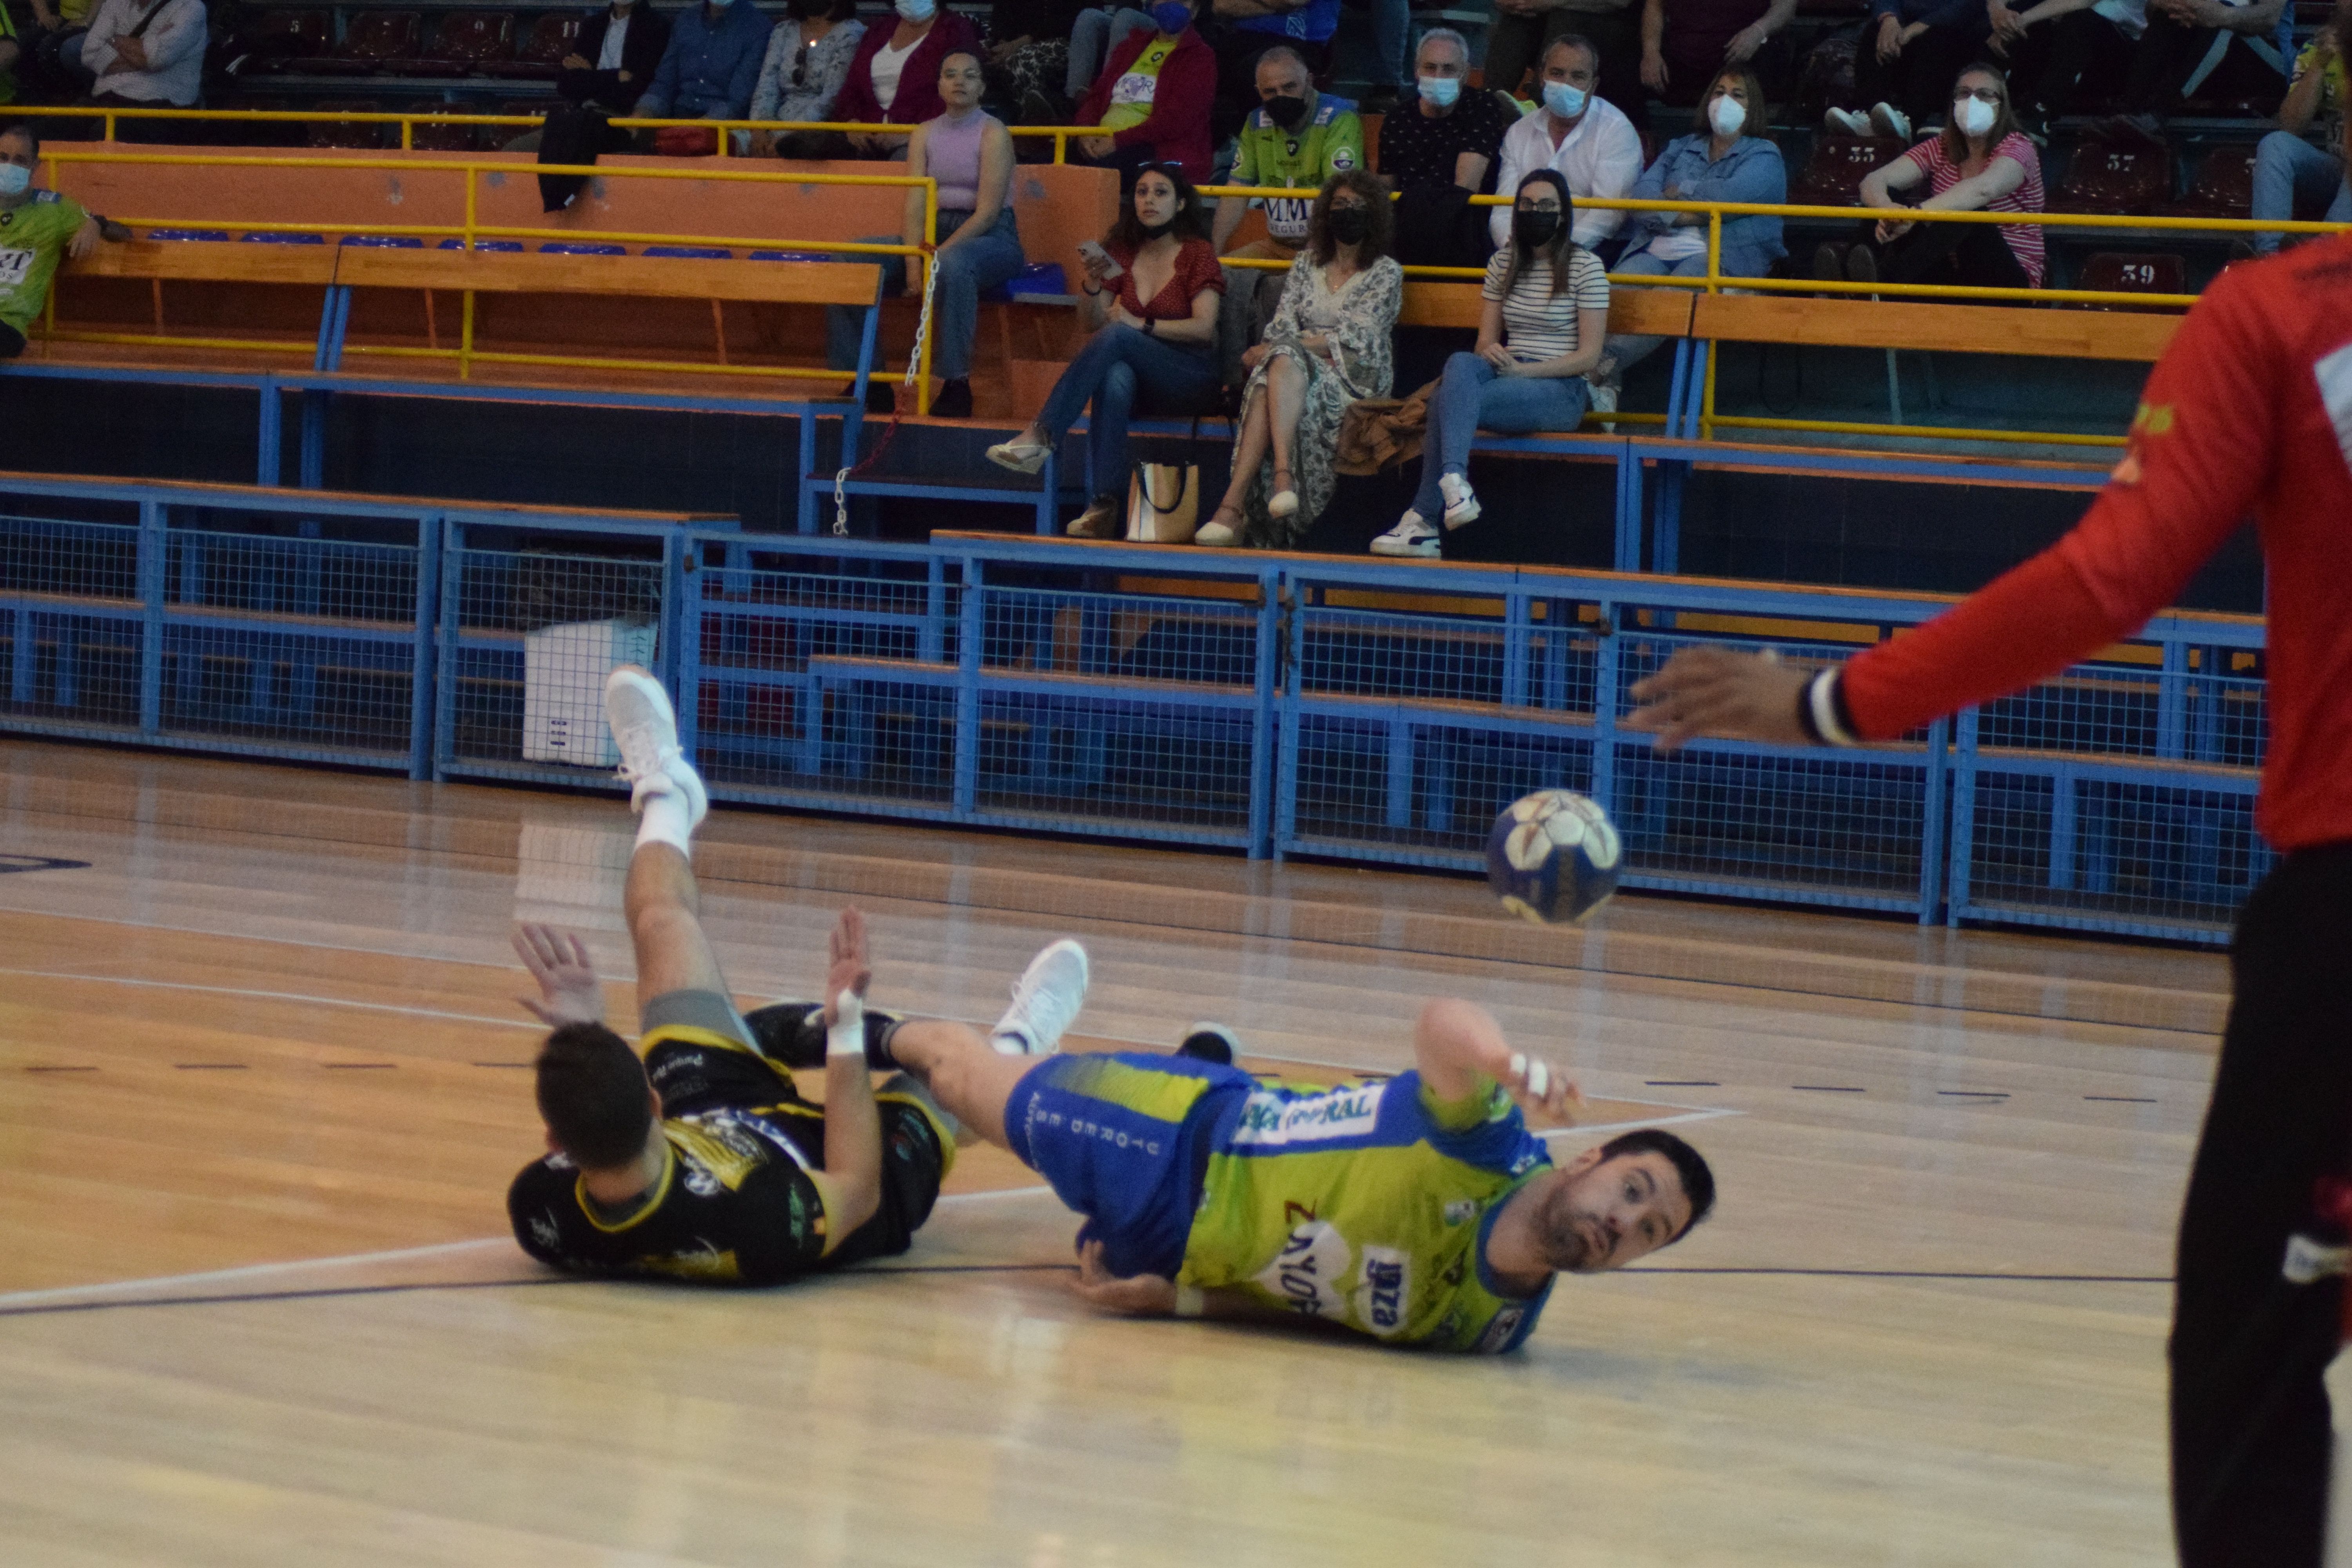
(1553, 855)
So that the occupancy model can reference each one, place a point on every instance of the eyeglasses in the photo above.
(1982, 94)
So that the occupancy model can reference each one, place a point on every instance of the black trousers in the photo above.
(2080, 53)
(2250, 1441)
(1919, 82)
(1514, 44)
(1968, 253)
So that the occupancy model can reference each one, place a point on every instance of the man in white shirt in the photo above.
(147, 52)
(1587, 138)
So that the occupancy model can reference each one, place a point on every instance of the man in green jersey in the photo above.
(36, 228)
(1416, 1209)
(1295, 138)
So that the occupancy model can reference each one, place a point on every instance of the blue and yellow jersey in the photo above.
(1368, 1205)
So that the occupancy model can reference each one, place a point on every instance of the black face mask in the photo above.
(1286, 111)
(1349, 224)
(1155, 230)
(1533, 228)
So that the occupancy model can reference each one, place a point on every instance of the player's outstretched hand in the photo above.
(1542, 1090)
(569, 991)
(1138, 1295)
(849, 964)
(1714, 691)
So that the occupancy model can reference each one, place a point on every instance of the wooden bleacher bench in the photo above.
(1953, 329)
(1435, 303)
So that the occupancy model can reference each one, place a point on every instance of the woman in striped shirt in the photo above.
(1546, 319)
(1981, 163)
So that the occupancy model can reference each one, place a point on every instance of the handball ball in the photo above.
(1553, 855)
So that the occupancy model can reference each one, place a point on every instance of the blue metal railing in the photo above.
(1376, 713)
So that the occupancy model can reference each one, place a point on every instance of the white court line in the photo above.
(1629, 1126)
(345, 1260)
(278, 996)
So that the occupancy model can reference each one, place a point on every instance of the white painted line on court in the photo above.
(250, 1271)
(280, 996)
(1645, 1122)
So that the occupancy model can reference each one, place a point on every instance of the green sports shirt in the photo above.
(1369, 1206)
(1330, 142)
(33, 236)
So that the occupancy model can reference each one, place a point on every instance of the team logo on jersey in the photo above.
(1307, 1270)
(1348, 1112)
(545, 1231)
(1499, 1330)
(1461, 1209)
(1342, 160)
(1385, 1296)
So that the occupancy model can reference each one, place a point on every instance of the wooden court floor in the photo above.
(262, 1085)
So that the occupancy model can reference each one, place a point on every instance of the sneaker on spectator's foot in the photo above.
(1100, 520)
(2139, 132)
(1019, 457)
(1410, 536)
(1605, 403)
(1888, 121)
(1846, 122)
(1461, 501)
(881, 396)
(1829, 264)
(953, 401)
(1861, 265)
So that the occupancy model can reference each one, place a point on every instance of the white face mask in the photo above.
(1441, 90)
(1974, 116)
(1726, 114)
(916, 11)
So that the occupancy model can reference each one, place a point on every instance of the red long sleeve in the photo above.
(1177, 126)
(2249, 413)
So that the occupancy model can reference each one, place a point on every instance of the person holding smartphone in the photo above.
(1149, 298)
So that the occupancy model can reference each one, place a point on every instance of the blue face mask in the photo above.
(15, 178)
(1441, 90)
(1171, 17)
(1564, 101)
(916, 11)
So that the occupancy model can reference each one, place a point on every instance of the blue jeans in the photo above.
(1125, 372)
(978, 263)
(1473, 397)
(2291, 174)
(1094, 35)
(1625, 350)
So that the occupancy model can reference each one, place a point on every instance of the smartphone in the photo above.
(1092, 251)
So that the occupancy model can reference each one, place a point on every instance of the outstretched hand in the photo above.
(1714, 691)
(849, 965)
(1137, 1295)
(569, 991)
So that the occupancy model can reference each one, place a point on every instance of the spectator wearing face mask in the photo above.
(1244, 31)
(1449, 133)
(1295, 137)
(1327, 346)
(802, 75)
(1152, 100)
(1686, 42)
(1909, 52)
(1979, 163)
(894, 77)
(37, 229)
(1546, 316)
(1721, 161)
(1587, 141)
(711, 64)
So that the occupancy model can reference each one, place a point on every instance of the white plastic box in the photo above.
(563, 670)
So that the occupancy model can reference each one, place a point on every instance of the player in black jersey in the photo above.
(700, 1161)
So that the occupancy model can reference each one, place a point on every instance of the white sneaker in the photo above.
(1846, 122)
(644, 727)
(1046, 1001)
(1461, 501)
(1605, 403)
(1020, 458)
(1889, 121)
(1410, 536)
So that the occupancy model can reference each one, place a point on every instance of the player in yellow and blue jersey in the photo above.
(1416, 1209)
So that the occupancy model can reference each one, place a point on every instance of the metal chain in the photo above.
(914, 370)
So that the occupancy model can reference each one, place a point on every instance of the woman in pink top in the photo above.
(1981, 163)
(970, 153)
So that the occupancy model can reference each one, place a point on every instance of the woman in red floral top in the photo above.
(1151, 292)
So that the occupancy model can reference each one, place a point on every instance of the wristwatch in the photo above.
(1150, 326)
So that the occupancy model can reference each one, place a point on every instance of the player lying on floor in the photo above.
(1416, 1209)
(700, 1161)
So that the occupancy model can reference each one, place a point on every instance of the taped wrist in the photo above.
(845, 1037)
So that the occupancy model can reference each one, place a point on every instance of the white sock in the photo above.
(1012, 1043)
(666, 820)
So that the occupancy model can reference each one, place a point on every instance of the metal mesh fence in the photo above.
(2115, 798)
(537, 633)
(69, 659)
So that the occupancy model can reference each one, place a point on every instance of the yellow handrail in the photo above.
(473, 229)
(408, 122)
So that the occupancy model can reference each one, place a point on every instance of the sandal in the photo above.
(1284, 503)
(1217, 533)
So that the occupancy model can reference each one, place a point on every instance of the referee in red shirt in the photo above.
(2249, 413)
